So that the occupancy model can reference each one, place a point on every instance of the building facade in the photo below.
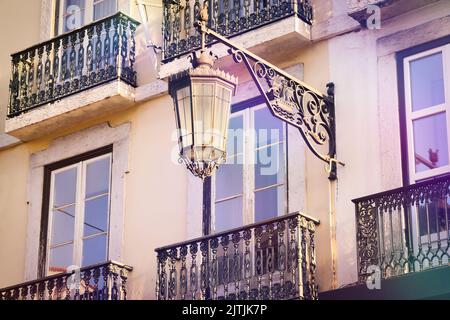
(95, 205)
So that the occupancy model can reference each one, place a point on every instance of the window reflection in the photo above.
(79, 214)
(65, 187)
(427, 82)
(263, 145)
(430, 142)
(96, 215)
(228, 214)
(63, 225)
(97, 177)
(94, 250)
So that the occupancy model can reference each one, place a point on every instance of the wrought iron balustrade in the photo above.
(106, 281)
(274, 259)
(404, 230)
(92, 55)
(227, 17)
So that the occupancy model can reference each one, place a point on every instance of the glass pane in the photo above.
(104, 8)
(65, 184)
(97, 177)
(430, 142)
(228, 214)
(96, 216)
(94, 250)
(60, 258)
(268, 129)
(269, 203)
(221, 115)
(74, 12)
(427, 82)
(203, 102)
(63, 223)
(235, 143)
(184, 115)
(229, 178)
(434, 218)
(269, 167)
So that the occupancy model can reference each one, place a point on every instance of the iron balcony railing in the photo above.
(228, 17)
(92, 55)
(404, 230)
(106, 281)
(271, 260)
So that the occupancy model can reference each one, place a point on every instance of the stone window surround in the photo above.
(388, 92)
(66, 147)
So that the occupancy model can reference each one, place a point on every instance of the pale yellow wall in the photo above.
(156, 195)
(19, 29)
(316, 73)
(13, 214)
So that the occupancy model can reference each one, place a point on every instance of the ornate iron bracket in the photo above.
(289, 99)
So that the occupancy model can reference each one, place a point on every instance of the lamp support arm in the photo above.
(290, 100)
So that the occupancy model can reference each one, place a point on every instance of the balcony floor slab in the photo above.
(59, 115)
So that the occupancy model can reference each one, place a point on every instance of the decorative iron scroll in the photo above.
(294, 102)
(288, 98)
(404, 230)
(271, 260)
(95, 54)
(105, 281)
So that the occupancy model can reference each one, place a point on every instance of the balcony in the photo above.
(106, 281)
(228, 17)
(270, 29)
(405, 230)
(274, 259)
(49, 79)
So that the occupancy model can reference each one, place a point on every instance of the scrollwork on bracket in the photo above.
(294, 102)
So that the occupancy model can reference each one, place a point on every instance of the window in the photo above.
(427, 94)
(73, 14)
(251, 185)
(78, 212)
(426, 79)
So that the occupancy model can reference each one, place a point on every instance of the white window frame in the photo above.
(414, 115)
(88, 14)
(249, 150)
(80, 200)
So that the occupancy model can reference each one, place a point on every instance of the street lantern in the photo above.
(202, 99)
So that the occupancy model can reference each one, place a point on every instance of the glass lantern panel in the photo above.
(221, 116)
(184, 116)
(203, 111)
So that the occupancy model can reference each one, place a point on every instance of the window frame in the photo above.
(406, 164)
(46, 223)
(411, 115)
(247, 109)
(409, 176)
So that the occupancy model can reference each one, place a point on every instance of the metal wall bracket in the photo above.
(290, 100)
